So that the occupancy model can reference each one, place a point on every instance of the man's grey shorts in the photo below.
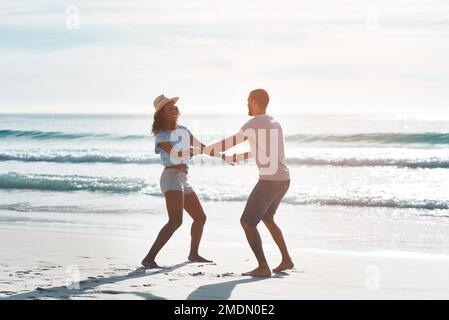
(175, 180)
(264, 200)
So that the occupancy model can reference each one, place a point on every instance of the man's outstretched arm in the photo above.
(198, 148)
(225, 144)
(241, 157)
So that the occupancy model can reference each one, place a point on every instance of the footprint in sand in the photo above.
(209, 264)
(296, 271)
(228, 274)
(24, 271)
(121, 269)
(93, 279)
(42, 290)
(109, 292)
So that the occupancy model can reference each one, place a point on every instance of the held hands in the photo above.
(207, 150)
(230, 159)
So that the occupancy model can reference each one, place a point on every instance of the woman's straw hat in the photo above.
(161, 101)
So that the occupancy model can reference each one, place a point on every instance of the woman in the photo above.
(176, 145)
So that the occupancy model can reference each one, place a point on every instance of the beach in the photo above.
(366, 215)
(333, 261)
(343, 113)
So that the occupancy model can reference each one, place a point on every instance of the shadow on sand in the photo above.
(65, 292)
(223, 290)
(219, 291)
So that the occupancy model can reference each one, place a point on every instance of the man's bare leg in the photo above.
(255, 242)
(276, 233)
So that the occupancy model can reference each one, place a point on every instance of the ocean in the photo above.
(90, 171)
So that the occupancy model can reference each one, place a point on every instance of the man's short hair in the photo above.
(261, 97)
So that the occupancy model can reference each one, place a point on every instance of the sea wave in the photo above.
(65, 183)
(55, 135)
(339, 201)
(77, 157)
(371, 202)
(29, 207)
(124, 157)
(427, 138)
(46, 182)
(361, 162)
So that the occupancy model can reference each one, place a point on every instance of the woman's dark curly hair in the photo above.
(158, 123)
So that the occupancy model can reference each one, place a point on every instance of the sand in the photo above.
(52, 264)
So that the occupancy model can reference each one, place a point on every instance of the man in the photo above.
(266, 139)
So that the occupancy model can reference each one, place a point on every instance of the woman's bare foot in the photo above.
(285, 265)
(259, 272)
(197, 258)
(150, 264)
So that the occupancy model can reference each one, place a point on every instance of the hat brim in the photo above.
(174, 99)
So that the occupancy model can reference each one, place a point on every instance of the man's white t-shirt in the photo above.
(266, 139)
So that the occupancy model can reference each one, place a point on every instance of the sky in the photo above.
(315, 56)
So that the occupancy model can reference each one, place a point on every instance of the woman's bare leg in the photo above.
(193, 207)
(175, 202)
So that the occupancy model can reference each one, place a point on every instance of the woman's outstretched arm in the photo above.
(199, 148)
(226, 144)
(167, 147)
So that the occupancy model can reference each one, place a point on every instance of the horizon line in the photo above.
(225, 114)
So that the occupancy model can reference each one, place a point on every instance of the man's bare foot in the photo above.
(259, 272)
(150, 264)
(285, 265)
(198, 258)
